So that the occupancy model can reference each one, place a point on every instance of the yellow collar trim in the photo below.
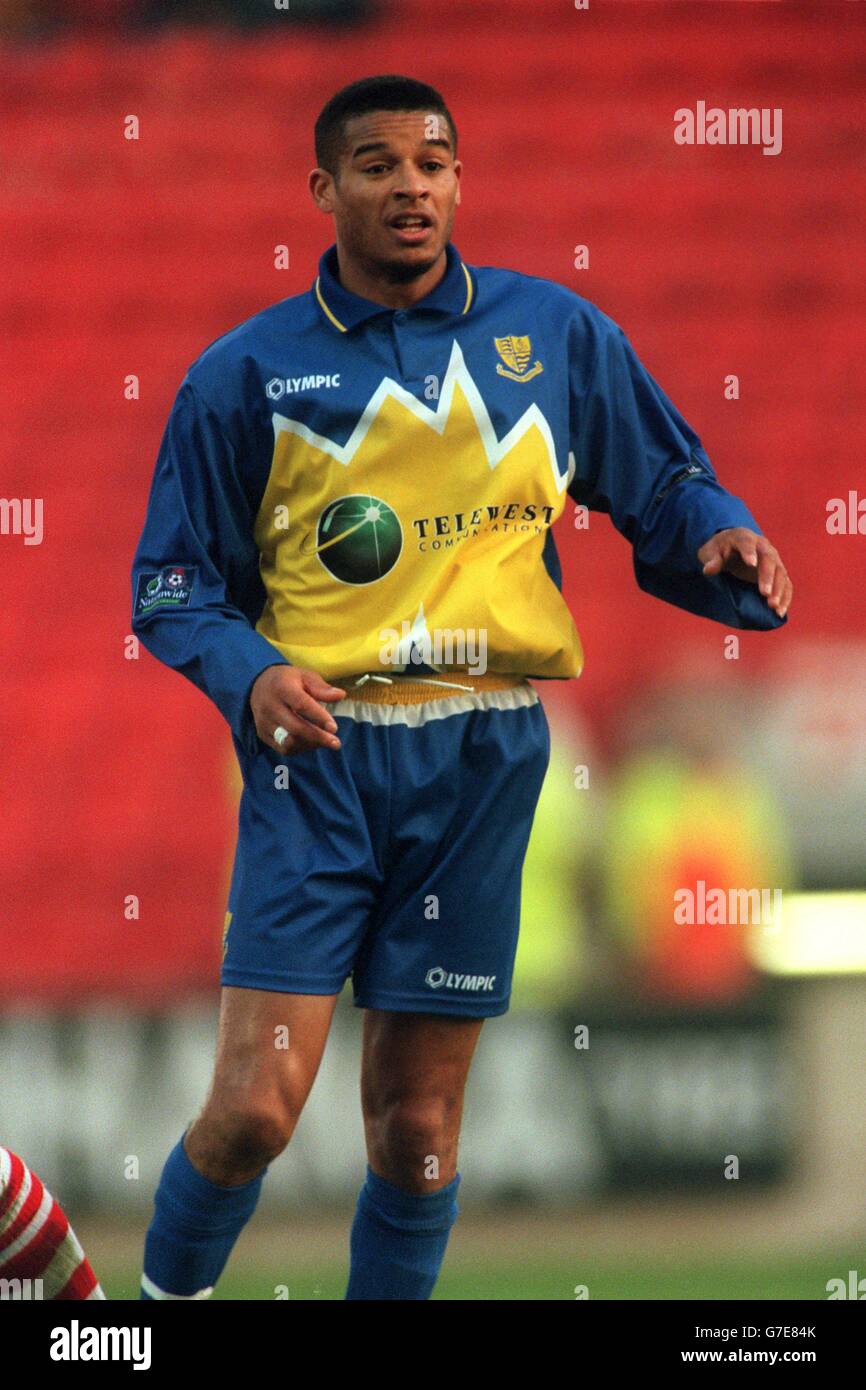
(468, 289)
(342, 327)
(334, 320)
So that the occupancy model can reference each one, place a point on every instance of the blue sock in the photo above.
(194, 1227)
(398, 1240)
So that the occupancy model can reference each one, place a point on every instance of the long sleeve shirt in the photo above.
(338, 480)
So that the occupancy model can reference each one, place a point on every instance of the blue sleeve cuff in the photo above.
(666, 560)
(720, 597)
(256, 654)
(223, 658)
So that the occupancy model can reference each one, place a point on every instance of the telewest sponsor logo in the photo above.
(437, 532)
(439, 978)
(280, 386)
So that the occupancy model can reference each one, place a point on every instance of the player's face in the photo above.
(396, 191)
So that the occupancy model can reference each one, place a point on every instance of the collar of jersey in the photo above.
(454, 293)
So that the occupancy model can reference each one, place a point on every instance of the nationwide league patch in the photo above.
(171, 587)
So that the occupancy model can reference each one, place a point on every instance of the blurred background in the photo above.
(674, 1107)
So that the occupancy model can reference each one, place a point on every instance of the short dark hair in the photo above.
(388, 93)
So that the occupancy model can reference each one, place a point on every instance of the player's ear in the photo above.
(321, 185)
(458, 170)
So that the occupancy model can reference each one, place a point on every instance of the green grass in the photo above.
(803, 1278)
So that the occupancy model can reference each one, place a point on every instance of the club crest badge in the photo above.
(516, 353)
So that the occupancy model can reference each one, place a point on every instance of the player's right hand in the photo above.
(288, 697)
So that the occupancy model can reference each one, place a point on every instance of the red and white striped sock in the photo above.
(36, 1239)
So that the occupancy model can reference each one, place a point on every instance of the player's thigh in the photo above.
(414, 1058)
(270, 1044)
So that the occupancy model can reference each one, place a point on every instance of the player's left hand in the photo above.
(751, 557)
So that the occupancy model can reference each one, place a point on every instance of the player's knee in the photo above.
(251, 1131)
(415, 1135)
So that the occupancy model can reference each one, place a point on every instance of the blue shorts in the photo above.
(395, 860)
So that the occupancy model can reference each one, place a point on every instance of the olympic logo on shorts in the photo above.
(437, 976)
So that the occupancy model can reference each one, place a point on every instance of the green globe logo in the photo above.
(358, 539)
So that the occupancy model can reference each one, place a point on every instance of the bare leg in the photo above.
(268, 1053)
(413, 1076)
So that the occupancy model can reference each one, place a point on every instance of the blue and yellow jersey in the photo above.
(339, 481)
